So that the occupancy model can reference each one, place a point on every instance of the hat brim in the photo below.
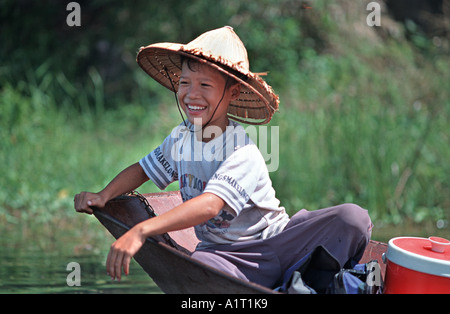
(257, 102)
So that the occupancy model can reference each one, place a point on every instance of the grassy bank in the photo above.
(377, 136)
(50, 152)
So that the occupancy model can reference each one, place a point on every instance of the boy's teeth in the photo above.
(196, 107)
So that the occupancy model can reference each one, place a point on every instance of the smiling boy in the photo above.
(227, 193)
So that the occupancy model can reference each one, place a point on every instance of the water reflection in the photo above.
(29, 269)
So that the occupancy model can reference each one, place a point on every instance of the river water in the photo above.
(36, 261)
(33, 272)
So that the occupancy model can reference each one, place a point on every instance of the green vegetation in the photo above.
(363, 116)
(368, 134)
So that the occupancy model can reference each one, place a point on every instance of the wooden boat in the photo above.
(166, 258)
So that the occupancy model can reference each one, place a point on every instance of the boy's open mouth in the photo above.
(196, 108)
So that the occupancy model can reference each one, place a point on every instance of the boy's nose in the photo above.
(193, 93)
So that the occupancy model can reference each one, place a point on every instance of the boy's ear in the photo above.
(235, 91)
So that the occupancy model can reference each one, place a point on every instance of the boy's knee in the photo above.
(356, 218)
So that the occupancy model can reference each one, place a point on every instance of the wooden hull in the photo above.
(168, 261)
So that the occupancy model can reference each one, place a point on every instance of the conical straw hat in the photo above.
(222, 49)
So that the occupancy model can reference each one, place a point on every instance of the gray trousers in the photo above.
(343, 230)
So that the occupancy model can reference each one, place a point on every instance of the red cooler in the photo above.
(417, 265)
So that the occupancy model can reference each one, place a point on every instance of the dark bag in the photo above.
(320, 272)
(361, 279)
(312, 274)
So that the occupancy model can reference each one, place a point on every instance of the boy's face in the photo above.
(200, 91)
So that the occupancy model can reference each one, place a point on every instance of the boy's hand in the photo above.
(84, 201)
(122, 251)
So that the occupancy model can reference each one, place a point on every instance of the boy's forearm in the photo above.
(126, 181)
(188, 214)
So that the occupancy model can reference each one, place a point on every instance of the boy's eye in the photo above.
(206, 85)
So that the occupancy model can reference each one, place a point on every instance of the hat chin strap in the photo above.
(178, 104)
(176, 97)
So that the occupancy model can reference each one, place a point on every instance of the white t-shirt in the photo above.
(229, 166)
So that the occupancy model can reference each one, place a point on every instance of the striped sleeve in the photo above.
(159, 166)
